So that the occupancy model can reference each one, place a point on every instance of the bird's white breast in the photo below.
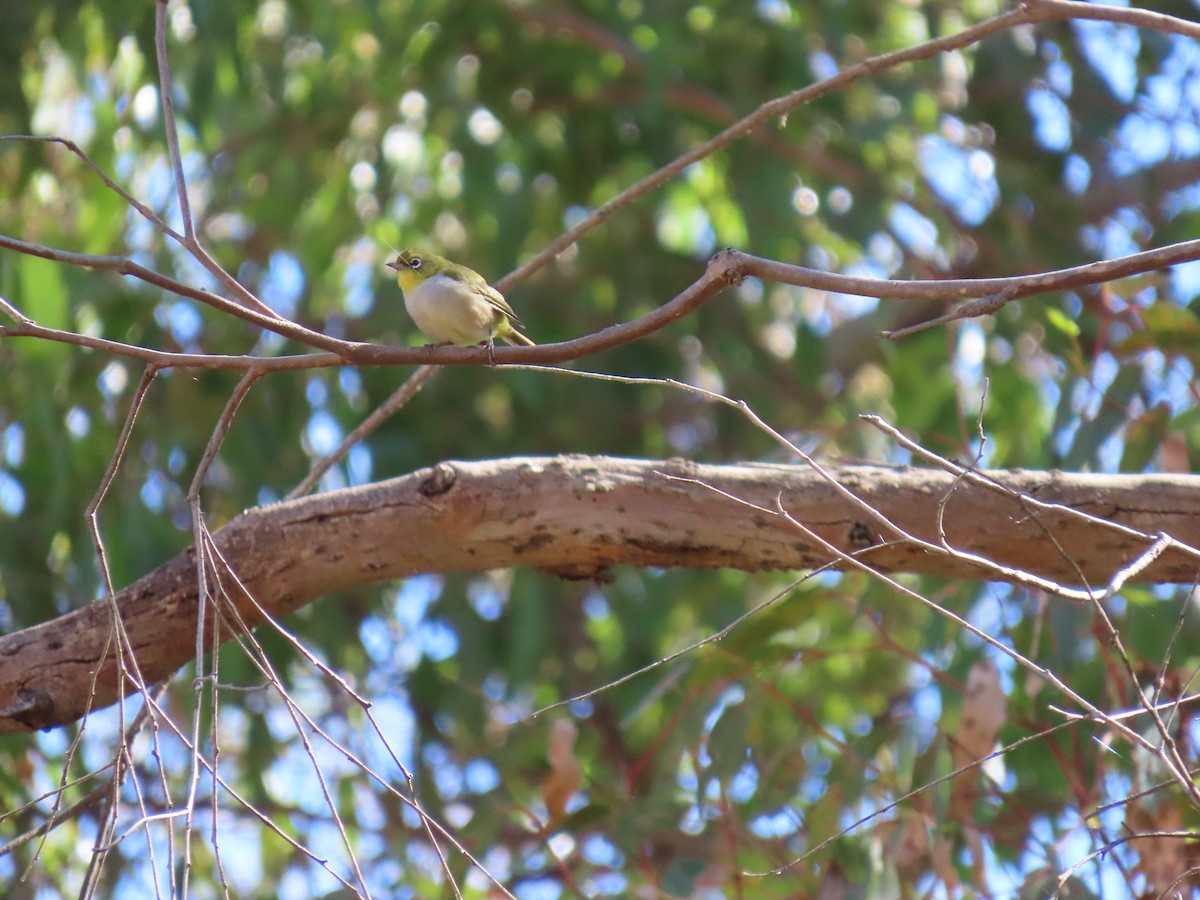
(449, 312)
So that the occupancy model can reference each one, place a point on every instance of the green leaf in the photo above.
(1064, 323)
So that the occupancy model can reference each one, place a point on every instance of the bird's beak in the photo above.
(395, 264)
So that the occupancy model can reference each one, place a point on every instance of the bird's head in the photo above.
(414, 266)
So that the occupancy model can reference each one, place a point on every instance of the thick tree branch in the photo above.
(576, 516)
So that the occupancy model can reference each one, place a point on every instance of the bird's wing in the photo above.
(497, 300)
(476, 282)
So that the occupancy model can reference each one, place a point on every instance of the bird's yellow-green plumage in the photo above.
(452, 304)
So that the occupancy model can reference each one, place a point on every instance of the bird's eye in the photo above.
(414, 263)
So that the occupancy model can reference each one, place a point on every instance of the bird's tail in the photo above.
(514, 337)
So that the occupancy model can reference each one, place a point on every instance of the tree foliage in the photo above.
(814, 740)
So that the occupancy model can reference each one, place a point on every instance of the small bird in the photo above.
(452, 304)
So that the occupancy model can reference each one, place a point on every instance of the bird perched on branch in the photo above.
(452, 304)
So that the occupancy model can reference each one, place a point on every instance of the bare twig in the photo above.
(166, 719)
(109, 797)
(126, 660)
(973, 309)
(1029, 13)
(726, 268)
(203, 543)
(712, 638)
(904, 798)
(141, 208)
(259, 658)
(167, 98)
(190, 240)
(381, 414)
(993, 290)
(1189, 836)
(1026, 500)
(93, 799)
(125, 266)
(166, 359)
(261, 661)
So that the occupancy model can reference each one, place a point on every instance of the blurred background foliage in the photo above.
(317, 135)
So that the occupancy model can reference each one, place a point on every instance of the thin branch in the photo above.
(203, 541)
(1013, 287)
(911, 795)
(190, 241)
(260, 660)
(142, 209)
(726, 268)
(1028, 13)
(218, 436)
(1028, 500)
(125, 266)
(166, 359)
(126, 660)
(974, 309)
(712, 638)
(378, 416)
(166, 97)
(161, 714)
(1133, 736)
(154, 219)
(1189, 836)
(243, 633)
(1168, 751)
(853, 561)
(122, 763)
(93, 798)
